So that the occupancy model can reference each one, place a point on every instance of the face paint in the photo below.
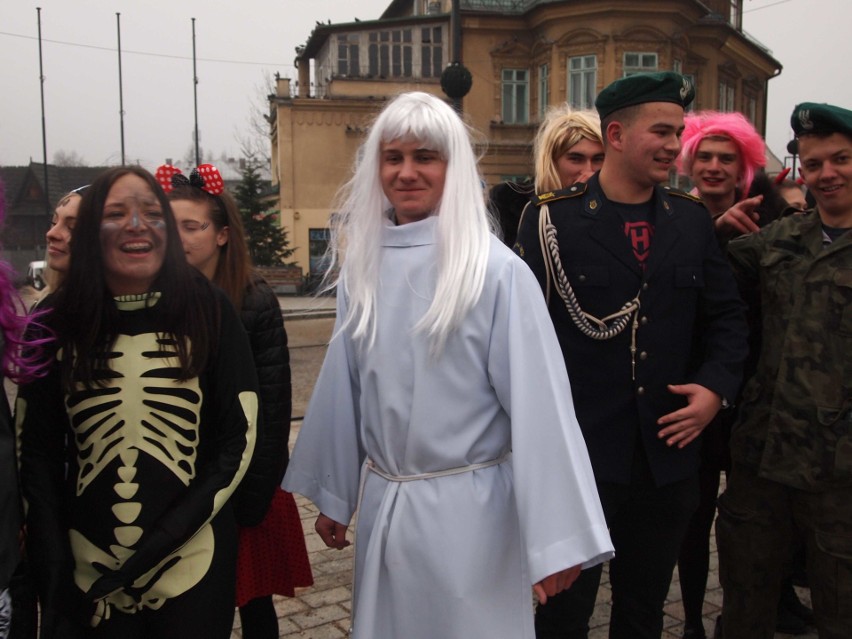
(133, 236)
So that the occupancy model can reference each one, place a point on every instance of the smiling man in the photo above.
(645, 382)
(791, 446)
(721, 154)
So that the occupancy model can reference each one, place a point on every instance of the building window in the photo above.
(726, 97)
(390, 53)
(736, 15)
(516, 96)
(751, 109)
(431, 52)
(318, 259)
(348, 55)
(582, 81)
(543, 90)
(639, 63)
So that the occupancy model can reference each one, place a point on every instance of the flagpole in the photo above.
(43, 121)
(195, 95)
(120, 87)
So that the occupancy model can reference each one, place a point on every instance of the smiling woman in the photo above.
(133, 443)
(133, 236)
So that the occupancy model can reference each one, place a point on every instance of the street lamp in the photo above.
(456, 79)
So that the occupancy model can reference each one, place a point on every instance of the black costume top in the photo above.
(125, 481)
(10, 497)
(691, 325)
(261, 317)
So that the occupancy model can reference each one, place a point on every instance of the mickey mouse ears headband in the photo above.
(205, 177)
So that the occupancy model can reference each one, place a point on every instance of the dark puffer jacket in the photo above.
(261, 316)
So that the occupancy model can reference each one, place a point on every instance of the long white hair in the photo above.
(464, 225)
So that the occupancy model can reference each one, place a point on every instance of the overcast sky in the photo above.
(239, 44)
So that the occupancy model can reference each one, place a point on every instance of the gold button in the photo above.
(645, 286)
(643, 320)
(643, 355)
(582, 278)
(640, 390)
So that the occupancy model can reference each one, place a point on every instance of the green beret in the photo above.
(663, 86)
(810, 117)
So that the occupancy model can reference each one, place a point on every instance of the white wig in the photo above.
(464, 225)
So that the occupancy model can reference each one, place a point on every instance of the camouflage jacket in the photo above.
(795, 423)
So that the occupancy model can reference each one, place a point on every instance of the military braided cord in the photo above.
(587, 323)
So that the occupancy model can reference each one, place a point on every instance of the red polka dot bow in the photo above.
(205, 177)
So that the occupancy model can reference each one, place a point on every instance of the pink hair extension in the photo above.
(734, 126)
(22, 359)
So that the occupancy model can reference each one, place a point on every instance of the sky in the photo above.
(240, 45)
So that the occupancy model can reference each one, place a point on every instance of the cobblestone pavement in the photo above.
(322, 611)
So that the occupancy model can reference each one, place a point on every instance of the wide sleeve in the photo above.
(722, 324)
(229, 416)
(261, 316)
(559, 510)
(326, 462)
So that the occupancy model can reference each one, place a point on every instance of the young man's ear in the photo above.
(614, 135)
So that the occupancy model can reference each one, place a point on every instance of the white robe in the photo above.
(453, 556)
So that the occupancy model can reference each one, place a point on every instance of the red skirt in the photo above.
(272, 557)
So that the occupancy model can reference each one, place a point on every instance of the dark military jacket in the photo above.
(795, 423)
(692, 324)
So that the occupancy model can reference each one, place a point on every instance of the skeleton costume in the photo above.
(130, 527)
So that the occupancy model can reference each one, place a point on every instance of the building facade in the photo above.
(524, 56)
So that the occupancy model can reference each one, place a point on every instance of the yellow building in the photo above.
(524, 55)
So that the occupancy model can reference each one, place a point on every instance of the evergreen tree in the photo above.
(267, 241)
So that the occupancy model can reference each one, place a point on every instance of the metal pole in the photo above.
(455, 22)
(195, 95)
(120, 89)
(43, 121)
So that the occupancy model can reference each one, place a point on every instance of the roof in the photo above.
(20, 180)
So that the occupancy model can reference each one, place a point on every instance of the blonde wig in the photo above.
(562, 128)
(464, 225)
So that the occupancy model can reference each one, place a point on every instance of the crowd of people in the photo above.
(500, 417)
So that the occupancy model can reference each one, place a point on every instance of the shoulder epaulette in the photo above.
(561, 194)
(684, 195)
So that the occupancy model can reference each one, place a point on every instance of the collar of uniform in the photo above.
(664, 195)
(594, 197)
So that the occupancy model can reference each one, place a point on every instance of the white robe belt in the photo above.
(371, 466)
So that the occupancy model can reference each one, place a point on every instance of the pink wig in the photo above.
(20, 357)
(733, 126)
